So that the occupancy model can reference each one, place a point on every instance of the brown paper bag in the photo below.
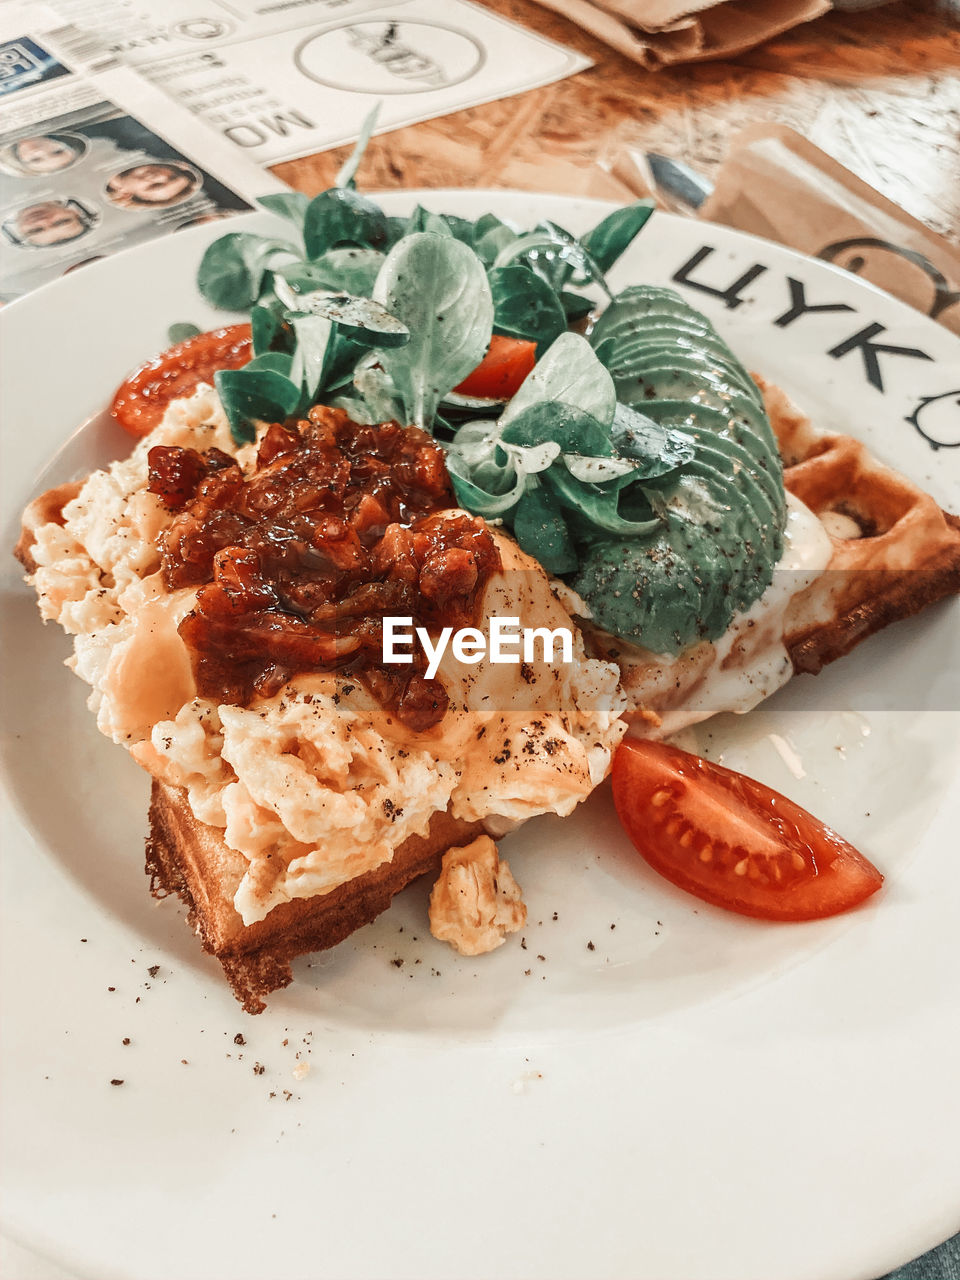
(656, 33)
(776, 184)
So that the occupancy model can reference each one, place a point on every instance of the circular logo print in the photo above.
(203, 28)
(937, 418)
(390, 57)
(883, 264)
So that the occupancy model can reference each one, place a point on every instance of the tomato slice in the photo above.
(142, 400)
(499, 374)
(733, 841)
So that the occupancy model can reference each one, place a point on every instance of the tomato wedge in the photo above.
(499, 374)
(142, 400)
(733, 841)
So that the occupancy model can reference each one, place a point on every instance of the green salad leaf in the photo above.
(423, 220)
(349, 270)
(266, 326)
(180, 332)
(598, 470)
(272, 361)
(608, 240)
(232, 270)
(596, 507)
(555, 255)
(655, 448)
(252, 396)
(473, 497)
(490, 236)
(525, 306)
(340, 216)
(359, 318)
(436, 286)
(565, 463)
(575, 305)
(314, 355)
(377, 390)
(572, 429)
(569, 372)
(291, 205)
(462, 228)
(541, 529)
(348, 171)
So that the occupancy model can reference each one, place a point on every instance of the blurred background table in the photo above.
(879, 90)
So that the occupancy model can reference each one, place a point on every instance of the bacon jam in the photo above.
(298, 562)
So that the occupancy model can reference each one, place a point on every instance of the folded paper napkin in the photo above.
(656, 33)
(778, 185)
(775, 184)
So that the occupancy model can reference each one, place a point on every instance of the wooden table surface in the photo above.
(879, 90)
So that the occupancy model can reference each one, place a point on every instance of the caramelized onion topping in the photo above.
(298, 562)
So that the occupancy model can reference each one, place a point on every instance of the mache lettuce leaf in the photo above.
(436, 286)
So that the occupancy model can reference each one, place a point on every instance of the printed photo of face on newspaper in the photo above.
(91, 182)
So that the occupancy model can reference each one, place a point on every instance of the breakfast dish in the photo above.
(234, 586)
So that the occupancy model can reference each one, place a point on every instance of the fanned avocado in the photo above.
(723, 512)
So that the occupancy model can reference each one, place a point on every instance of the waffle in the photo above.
(896, 552)
(190, 859)
(893, 552)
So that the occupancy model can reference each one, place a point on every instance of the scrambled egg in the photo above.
(317, 784)
(476, 902)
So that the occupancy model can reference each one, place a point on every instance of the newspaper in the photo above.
(93, 158)
(288, 78)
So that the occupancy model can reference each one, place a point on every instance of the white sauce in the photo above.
(787, 754)
(839, 525)
(750, 661)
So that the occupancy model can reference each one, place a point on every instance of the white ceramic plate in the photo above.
(695, 1096)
